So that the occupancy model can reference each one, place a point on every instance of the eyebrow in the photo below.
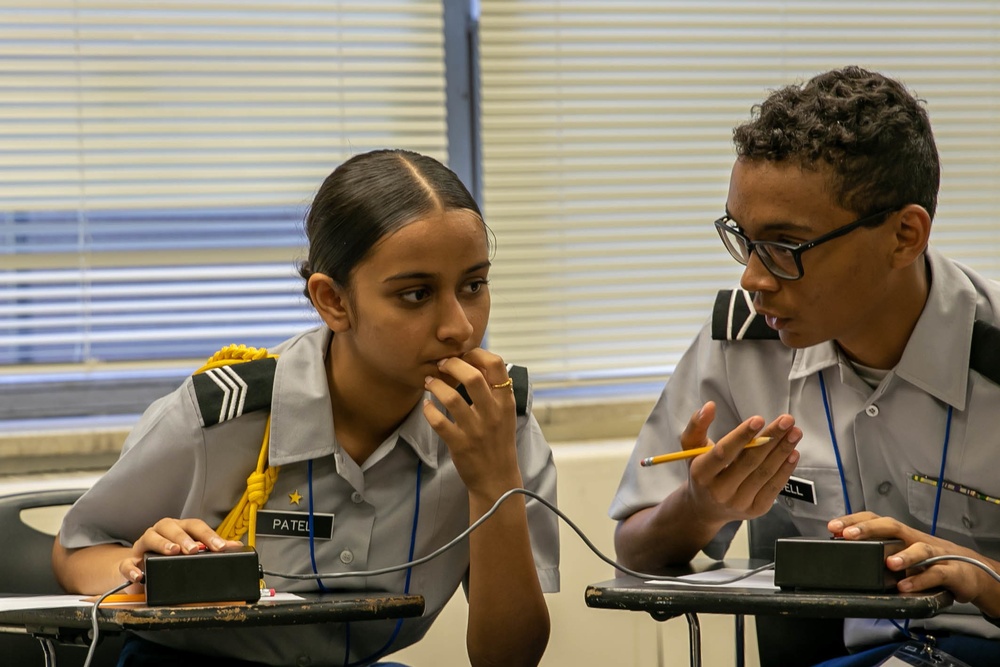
(422, 275)
(782, 226)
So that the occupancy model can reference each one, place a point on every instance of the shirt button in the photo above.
(346, 557)
(356, 498)
(788, 501)
(884, 488)
(872, 411)
(967, 522)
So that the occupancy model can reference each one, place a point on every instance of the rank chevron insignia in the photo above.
(227, 392)
(734, 318)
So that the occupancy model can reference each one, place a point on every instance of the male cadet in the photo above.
(874, 357)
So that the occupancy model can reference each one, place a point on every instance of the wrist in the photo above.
(490, 490)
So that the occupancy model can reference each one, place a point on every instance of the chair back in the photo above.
(26, 568)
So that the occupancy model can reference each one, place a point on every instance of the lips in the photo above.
(773, 321)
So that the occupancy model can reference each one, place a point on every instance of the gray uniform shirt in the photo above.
(885, 435)
(171, 466)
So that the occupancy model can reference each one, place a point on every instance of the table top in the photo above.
(666, 601)
(311, 608)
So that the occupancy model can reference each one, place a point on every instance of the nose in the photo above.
(454, 323)
(756, 277)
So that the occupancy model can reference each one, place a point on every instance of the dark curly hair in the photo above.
(874, 134)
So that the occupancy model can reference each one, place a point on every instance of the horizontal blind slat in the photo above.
(607, 150)
(158, 158)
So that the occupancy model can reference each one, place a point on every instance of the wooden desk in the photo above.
(663, 602)
(73, 624)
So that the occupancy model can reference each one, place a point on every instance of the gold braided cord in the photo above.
(235, 354)
(243, 517)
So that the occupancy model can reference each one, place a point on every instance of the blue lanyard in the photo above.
(406, 588)
(905, 627)
(840, 464)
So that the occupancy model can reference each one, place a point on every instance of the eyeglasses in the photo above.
(783, 260)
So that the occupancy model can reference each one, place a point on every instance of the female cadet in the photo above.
(368, 434)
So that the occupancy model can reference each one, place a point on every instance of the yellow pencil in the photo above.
(691, 453)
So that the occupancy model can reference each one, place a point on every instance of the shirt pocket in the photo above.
(964, 519)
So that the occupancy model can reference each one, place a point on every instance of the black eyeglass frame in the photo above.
(725, 230)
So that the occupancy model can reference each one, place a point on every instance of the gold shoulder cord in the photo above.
(243, 516)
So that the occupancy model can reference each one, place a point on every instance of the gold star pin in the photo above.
(294, 497)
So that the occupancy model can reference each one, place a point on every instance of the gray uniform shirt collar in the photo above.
(301, 416)
(936, 358)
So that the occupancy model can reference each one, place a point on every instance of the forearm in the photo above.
(90, 570)
(662, 535)
(508, 617)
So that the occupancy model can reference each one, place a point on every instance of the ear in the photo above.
(913, 230)
(330, 300)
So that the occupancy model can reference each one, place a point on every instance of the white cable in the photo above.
(965, 559)
(93, 621)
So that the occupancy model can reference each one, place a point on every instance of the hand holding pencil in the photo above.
(691, 453)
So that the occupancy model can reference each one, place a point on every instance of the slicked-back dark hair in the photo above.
(369, 196)
(874, 134)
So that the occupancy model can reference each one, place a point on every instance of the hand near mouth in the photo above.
(480, 436)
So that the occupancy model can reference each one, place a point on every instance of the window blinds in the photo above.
(606, 136)
(156, 160)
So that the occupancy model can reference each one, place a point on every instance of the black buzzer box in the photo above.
(813, 563)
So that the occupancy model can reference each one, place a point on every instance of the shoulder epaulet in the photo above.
(733, 318)
(229, 391)
(984, 355)
(519, 375)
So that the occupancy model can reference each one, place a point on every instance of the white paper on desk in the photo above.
(764, 580)
(280, 597)
(41, 602)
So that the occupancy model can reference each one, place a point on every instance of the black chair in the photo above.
(26, 568)
(788, 641)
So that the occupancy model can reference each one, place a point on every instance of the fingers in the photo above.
(966, 581)
(131, 570)
(910, 557)
(837, 526)
(762, 472)
(763, 462)
(173, 537)
(484, 376)
(732, 481)
(871, 526)
(695, 434)
(733, 444)
(481, 437)
(181, 536)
